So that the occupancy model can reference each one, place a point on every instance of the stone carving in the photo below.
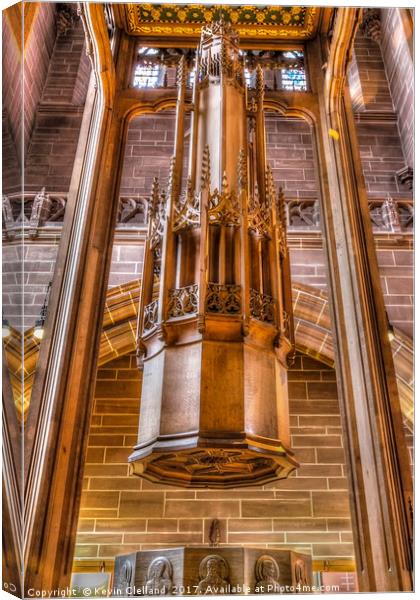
(286, 325)
(259, 214)
(214, 532)
(223, 299)
(281, 216)
(187, 209)
(212, 66)
(267, 575)
(301, 576)
(151, 315)
(303, 214)
(40, 209)
(183, 301)
(205, 168)
(405, 177)
(222, 467)
(8, 221)
(224, 208)
(159, 576)
(391, 215)
(157, 214)
(242, 170)
(132, 211)
(214, 574)
(261, 306)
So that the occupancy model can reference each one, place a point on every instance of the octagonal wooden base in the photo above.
(196, 462)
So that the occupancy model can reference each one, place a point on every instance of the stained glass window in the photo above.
(148, 76)
(293, 79)
(250, 77)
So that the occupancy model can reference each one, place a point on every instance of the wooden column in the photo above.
(378, 468)
(59, 414)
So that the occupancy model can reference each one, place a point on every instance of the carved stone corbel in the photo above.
(8, 221)
(67, 15)
(405, 177)
(371, 24)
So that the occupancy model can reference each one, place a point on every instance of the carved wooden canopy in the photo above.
(252, 22)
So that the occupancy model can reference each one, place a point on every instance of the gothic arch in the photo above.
(313, 337)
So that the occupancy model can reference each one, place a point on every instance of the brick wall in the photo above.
(68, 69)
(367, 79)
(396, 267)
(11, 170)
(52, 149)
(382, 156)
(150, 144)
(56, 109)
(37, 271)
(397, 55)
(290, 155)
(58, 119)
(38, 52)
(309, 511)
(12, 82)
(37, 55)
(126, 263)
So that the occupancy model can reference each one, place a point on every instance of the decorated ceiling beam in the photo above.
(252, 22)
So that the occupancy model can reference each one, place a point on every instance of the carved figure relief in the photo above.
(301, 576)
(214, 574)
(214, 532)
(159, 576)
(267, 575)
(124, 578)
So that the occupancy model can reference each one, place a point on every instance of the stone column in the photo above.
(59, 415)
(377, 458)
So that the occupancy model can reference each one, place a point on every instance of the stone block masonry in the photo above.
(309, 511)
(399, 67)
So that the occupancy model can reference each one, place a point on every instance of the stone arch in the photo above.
(313, 337)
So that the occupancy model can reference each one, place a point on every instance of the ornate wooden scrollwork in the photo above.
(259, 214)
(262, 306)
(150, 316)
(223, 299)
(183, 301)
(187, 209)
(224, 207)
(157, 214)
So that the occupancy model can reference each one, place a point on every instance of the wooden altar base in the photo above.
(204, 570)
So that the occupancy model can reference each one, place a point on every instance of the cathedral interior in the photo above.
(207, 297)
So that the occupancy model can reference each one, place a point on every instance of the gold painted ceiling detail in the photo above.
(286, 22)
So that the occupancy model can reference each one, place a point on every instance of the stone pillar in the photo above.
(59, 414)
(379, 478)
